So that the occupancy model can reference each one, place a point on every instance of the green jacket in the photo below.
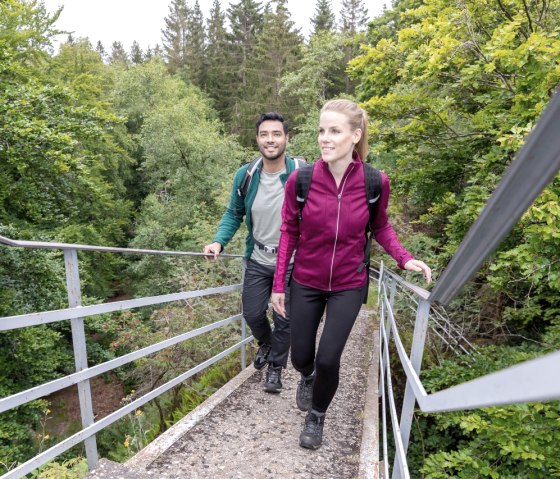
(238, 206)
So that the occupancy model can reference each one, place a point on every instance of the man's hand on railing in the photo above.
(213, 248)
(417, 265)
(278, 303)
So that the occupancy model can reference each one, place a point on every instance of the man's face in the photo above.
(272, 140)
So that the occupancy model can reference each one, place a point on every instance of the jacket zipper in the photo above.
(339, 197)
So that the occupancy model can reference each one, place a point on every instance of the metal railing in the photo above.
(534, 167)
(76, 314)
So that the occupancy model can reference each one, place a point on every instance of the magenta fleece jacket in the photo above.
(332, 231)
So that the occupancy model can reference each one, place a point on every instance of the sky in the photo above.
(143, 20)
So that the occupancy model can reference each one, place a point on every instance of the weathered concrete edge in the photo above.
(159, 445)
(369, 450)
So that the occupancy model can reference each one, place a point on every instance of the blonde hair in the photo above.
(358, 120)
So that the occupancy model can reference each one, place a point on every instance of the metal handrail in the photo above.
(76, 314)
(534, 167)
(103, 249)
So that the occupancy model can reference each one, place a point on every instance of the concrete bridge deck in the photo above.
(242, 432)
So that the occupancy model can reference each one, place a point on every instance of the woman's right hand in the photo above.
(278, 303)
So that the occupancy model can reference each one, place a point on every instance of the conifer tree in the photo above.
(99, 48)
(136, 55)
(354, 16)
(195, 44)
(175, 35)
(215, 54)
(118, 55)
(246, 21)
(354, 20)
(157, 51)
(277, 53)
(324, 19)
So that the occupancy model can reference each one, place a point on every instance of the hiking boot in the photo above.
(272, 382)
(261, 358)
(304, 392)
(312, 435)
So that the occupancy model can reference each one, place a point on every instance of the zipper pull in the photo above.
(339, 196)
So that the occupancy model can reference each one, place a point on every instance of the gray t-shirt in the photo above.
(266, 215)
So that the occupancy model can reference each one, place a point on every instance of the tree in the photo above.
(118, 55)
(100, 49)
(354, 16)
(451, 98)
(324, 19)
(320, 75)
(175, 35)
(452, 89)
(185, 159)
(246, 21)
(136, 55)
(276, 52)
(195, 45)
(216, 57)
(58, 169)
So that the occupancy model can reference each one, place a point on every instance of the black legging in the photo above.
(307, 307)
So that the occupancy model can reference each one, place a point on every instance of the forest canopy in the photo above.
(103, 146)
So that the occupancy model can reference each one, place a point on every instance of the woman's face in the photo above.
(336, 137)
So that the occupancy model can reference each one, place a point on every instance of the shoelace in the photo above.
(273, 375)
(312, 424)
(306, 389)
(264, 351)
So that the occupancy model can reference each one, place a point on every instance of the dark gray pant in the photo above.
(257, 286)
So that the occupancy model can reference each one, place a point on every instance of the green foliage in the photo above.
(187, 167)
(452, 90)
(75, 468)
(17, 435)
(324, 19)
(320, 75)
(500, 442)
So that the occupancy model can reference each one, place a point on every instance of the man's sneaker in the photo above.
(261, 358)
(304, 392)
(272, 382)
(312, 435)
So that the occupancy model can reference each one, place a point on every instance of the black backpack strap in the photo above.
(373, 191)
(303, 182)
(373, 181)
(244, 186)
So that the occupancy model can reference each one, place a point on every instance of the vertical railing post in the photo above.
(388, 328)
(243, 322)
(243, 337)
(393, 291)
(380, 282)
(80, 350)
(416, 353)
(381, 304)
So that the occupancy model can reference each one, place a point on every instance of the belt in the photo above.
(266, 248)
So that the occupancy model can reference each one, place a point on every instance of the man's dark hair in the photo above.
(274, 116)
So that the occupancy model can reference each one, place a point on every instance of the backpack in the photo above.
(372, 179)
(246, 182)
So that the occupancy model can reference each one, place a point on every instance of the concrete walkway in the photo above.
(242, 432)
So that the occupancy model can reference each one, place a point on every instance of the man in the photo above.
(258, 198)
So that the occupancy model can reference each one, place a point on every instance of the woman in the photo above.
(330, 239)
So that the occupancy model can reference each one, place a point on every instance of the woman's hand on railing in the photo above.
(278, 303)
(213, 248)
(417, 265)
